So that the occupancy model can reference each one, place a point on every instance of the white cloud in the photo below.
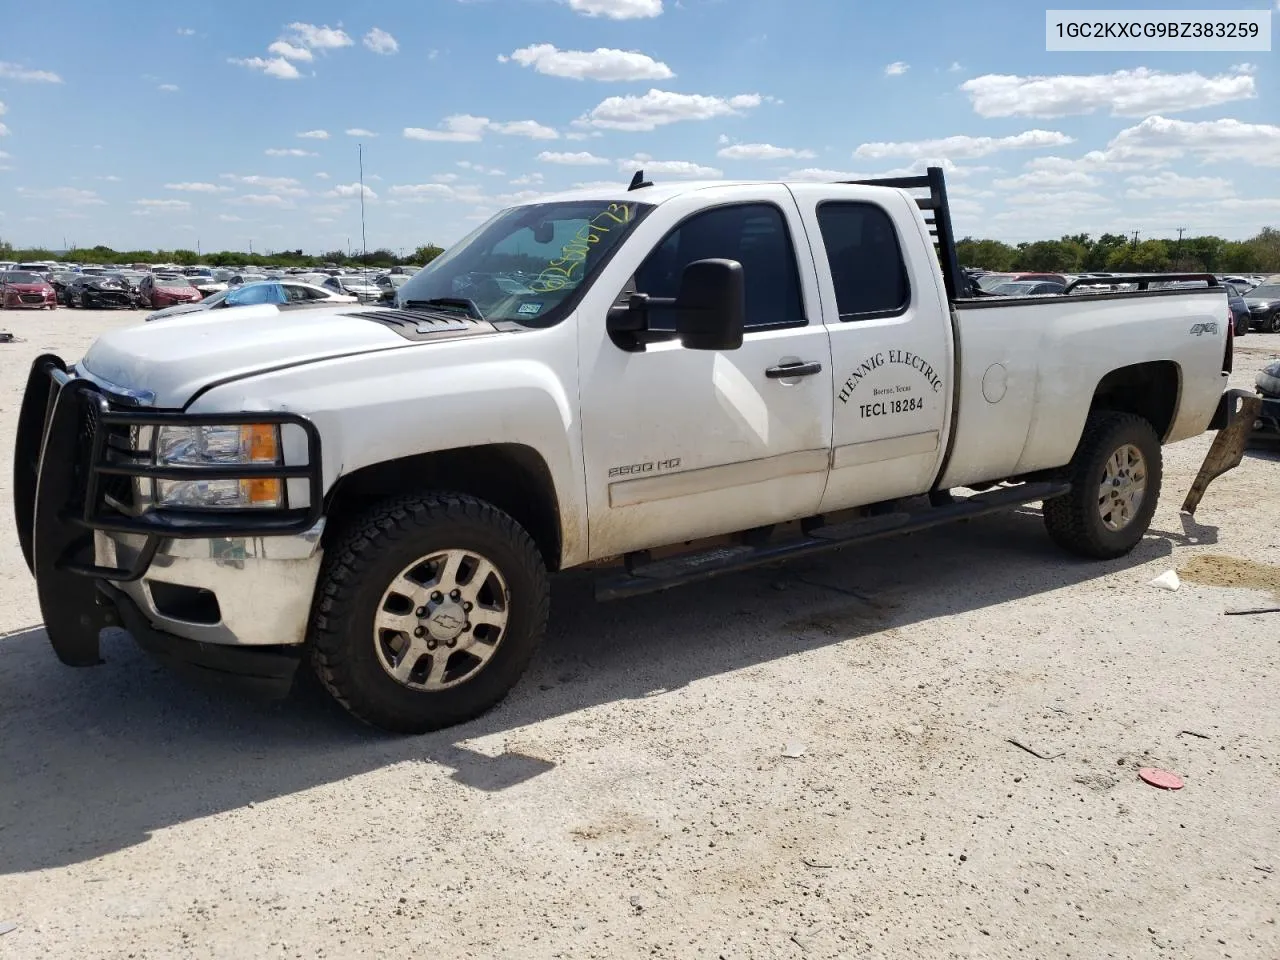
(477, 168)
(314, 135)
(109, 178)
(527, 180)
(360, 132)
(351, 190)
(581, 135)
(1095, 161)
(465, 128)
(168, 87)
(423, 191)
(186, 32)
(897, 68)
(1167, 185)
(289, 152)
(963, 147)
(169, 206)
(602, 63)
(1047, 180)
(277, 67)
(525, 128)
(379, 41)
(914, 169)
(1128, 93)
(319, 38)
(230, 218)
(4, 131)
(1055, 198)
(658, 108)
(955, 66)
(763, 151)
(613, 185)
(261, 200)
(445, 178)
(285, 186)
(283, 48)
(196, 187)
(669, 168)
(617, 9)
(72, 196)
(13, 71)
(579, 159)
(1158, 139)
(459, 128)
(321, 175)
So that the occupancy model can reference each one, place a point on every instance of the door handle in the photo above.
(799, 368)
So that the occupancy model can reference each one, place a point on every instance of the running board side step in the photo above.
(658, 575)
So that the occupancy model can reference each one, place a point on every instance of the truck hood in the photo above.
(173, 359)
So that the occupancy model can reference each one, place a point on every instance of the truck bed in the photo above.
(1029, 368)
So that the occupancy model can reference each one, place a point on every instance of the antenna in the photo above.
(364, 245)
(638, 182)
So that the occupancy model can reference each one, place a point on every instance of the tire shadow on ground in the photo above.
(93, 760)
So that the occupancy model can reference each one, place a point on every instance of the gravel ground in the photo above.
(632, 798)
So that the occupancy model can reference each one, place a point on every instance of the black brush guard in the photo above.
(73, 448)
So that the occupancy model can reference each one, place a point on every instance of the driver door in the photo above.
(681, 444)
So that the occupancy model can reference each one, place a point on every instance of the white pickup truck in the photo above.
(746, 371)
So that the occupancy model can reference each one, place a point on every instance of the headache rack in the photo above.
(937, 214)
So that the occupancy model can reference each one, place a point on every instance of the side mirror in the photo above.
(710, 311)
(711, 307)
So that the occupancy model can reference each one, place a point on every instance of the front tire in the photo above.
(428, 611)
(1273, 325)
(1115, 485)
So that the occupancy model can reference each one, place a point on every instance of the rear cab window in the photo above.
(865, 258)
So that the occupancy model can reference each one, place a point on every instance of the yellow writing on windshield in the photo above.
(561, 272)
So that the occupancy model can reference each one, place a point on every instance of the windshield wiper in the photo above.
(449, 303)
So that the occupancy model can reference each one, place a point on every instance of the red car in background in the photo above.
(20, 290)
(166, 290)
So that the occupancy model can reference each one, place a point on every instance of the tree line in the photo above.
(224, 258)
(1111, 252)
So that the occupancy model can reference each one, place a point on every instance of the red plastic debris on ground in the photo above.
(1161, 778)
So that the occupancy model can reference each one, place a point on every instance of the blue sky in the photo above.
(220, 123)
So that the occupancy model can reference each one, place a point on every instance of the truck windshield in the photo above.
(527, 263)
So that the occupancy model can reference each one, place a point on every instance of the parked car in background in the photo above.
(238, 279)
(161, 290)
(131, 279)
(1264, 306)
(1027, 288)
(100, 292)
(60, 281)
(1239, 309)
(989, 281)
(281, 294)
(24, 290)
(208, 285)
(354, 285)
(389, 284)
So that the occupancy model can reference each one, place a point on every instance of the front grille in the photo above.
(31, 297)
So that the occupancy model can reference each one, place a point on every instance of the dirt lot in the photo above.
(631, 798)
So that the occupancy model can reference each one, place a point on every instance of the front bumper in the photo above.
(28, 301)
(1234, 419)
(239, 578)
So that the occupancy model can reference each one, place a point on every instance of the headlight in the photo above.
(219, 445)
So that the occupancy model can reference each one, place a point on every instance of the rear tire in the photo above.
(1274, 324)
(373, 581)
(1115, 486)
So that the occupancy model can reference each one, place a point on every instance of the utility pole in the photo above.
(1135, 238)
(1177, 251)
(364, 244)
